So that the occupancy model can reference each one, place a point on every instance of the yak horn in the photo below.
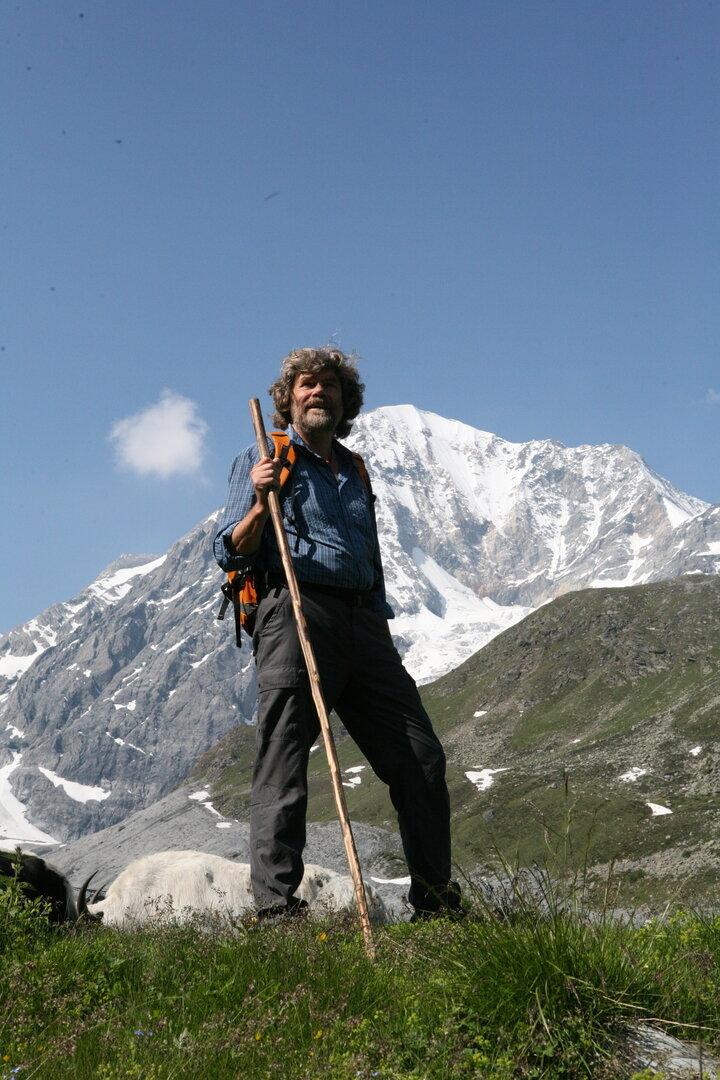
(99, 893)
(82, 907)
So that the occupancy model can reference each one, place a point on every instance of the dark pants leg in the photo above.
(287, 726)
(363, 678)
(382, 711)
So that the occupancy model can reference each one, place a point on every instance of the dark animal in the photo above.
(40, 880)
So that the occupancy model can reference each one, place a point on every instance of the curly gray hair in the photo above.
(325, 358)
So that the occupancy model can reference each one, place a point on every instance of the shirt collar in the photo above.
(341, 451)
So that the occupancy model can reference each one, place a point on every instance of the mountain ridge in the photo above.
(582, 738)
(108, 699)
(591, 724)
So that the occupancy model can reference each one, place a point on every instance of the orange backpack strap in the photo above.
(284, 452)
(240, 590)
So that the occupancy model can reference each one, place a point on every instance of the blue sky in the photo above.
(509, 209)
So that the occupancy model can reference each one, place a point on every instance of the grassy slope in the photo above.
(588, 686)
(484, 998)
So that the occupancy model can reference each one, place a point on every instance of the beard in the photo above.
(314, 418)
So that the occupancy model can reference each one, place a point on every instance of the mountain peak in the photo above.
(126, 562)
(122, 688)
(424, 423)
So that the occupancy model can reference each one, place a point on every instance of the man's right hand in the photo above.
(247, 534)
(265, 477)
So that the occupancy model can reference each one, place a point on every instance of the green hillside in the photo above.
(585, 689)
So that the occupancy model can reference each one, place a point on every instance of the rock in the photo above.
(649, 1047)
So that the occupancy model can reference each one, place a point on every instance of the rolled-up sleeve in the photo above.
(241, 496)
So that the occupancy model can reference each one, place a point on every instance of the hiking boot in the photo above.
(443, 904)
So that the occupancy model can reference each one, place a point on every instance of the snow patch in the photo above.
(465, 623)
(78, 792)
(170, 599)
(14, 826)
(176, 645)
(676, 516)
(134, 673)
(696, 750)
(47, 633)
(203, 797)
(632, 775)
(74, 608)
(113, 588)
(122, 742)
(483, 778)
(355, 778)
(202, 661)
(13, 666)
(205, 607)
(657, 810)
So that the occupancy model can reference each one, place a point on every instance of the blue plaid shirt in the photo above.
(329, 521)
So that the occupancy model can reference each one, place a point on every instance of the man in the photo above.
(330, 523)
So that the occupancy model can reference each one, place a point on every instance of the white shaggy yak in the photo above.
(178, 886)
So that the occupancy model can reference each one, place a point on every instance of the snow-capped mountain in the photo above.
(22, 646)
(107, 701)
(523, 522)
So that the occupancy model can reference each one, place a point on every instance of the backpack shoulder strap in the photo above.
(285, 452)
(240, 590)
(364, 475)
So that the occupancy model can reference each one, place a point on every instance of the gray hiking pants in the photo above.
(364, 680)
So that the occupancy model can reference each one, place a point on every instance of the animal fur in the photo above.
(177, 886)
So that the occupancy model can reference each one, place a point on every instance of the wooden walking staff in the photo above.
(312, 670)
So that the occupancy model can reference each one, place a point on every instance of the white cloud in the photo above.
(163, 440)
(712, 397)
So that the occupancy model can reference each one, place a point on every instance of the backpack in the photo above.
(241, 590)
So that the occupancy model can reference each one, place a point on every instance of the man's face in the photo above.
(316, 403)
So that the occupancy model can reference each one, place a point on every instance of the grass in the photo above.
(543, 992)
